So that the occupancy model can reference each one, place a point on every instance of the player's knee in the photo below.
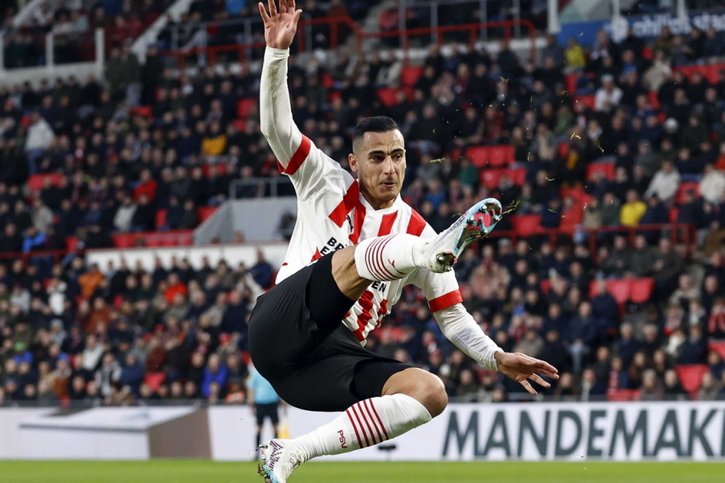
(433, 396)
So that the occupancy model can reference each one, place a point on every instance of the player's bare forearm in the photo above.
(522, 369)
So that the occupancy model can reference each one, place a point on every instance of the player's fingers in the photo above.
(263, 13)
(290, 5)
(282, 6)
(528, 387)
(298, 14)
(539, 380)
(272, 7)
(546, 368)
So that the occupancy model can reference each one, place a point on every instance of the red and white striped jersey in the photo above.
(331, 212)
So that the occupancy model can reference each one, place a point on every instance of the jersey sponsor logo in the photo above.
(332, 245)
(379, 286)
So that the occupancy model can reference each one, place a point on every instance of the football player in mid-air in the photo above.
(307, 334)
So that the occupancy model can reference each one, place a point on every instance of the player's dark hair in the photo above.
(373, 124)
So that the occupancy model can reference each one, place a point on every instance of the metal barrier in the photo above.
(475, 31)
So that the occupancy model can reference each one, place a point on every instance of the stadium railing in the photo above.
(474, 31)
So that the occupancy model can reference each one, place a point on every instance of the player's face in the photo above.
(379, 161)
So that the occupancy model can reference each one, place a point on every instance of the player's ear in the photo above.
(352, 161)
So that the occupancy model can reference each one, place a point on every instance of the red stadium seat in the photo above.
(494, 156)
(245, 106)
(154, 380)
(641, 290)
(620, 289)
(719, 347)
(501, 155)
(477, 155)
(160, 221)
(588, 101)
(490, 177)
(525, 225)
(387, 96)
(654, 101)
(36, 181)
(607, 168)
(517, 175)
(571, 81)
(410, 75)
(205, 212)
(690, 376)
(709, 72)
(684, 188)
(673, 214)
(623, 395)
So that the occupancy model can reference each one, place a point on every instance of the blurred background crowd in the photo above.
(611, 266)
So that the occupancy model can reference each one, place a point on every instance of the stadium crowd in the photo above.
(147, 139)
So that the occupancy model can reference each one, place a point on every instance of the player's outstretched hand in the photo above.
(522, 369)
(280, 24)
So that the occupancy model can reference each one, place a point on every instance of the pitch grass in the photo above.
(185, 471)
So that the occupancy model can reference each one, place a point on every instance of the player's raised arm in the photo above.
(277, 125)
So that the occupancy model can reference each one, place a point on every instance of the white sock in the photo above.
(389, 257)
(364, 424)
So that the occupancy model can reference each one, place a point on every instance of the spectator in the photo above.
(712, 185)
(608, 95)
(40, 137)
(633, 210)
(665, 182)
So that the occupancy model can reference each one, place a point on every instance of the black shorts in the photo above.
(317, 366)
(267, 411)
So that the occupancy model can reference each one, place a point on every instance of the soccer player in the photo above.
(307, 334)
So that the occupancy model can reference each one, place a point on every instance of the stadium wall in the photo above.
(661, 431)
(274, 252)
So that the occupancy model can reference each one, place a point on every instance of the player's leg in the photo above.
(259, 414)
(392, 257)
(393, 399)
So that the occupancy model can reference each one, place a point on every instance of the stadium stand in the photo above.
(611, 279)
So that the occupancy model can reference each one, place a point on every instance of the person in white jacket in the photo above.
(40, 137)
(712, 184)
(665, 182)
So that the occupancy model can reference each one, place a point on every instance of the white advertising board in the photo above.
(661, 431)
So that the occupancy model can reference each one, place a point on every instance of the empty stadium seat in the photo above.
(160, 220)
(205, 212)
(491, 177)
(684, 188)
(490, 156)
(410, 74)
(623, 395)
(618, 288)
(588, 101)
(154, 380)
(641, 290)
(718, 346)
(690, 376)
(245, 106)
(525, 225)
(607, 168)
(36, 181)
(387, 96)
